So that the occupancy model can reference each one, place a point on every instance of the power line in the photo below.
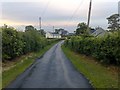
(43, 13)
(46, 7)
(76, 10)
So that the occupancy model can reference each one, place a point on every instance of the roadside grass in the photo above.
(100, 76)
(20, 65)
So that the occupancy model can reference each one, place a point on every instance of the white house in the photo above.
(52, 35)
(99, 32)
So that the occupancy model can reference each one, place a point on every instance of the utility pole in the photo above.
(53, 28)
(53, 31)
(40, 22)
(89, 14)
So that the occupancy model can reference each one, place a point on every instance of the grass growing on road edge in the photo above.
(20, 66)
(99, 75)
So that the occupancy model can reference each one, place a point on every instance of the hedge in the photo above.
(16, 43)
(106, 49)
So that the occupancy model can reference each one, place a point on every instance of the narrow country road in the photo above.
(52, 70)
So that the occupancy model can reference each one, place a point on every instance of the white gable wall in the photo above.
(50, 35)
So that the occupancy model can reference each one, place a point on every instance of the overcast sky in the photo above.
(58, 13)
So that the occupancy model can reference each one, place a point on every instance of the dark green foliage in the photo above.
(81, 29)
(113, 22)
(16, 43)
(11, 41)
(42, 32)
(29, 28)
(105, 49)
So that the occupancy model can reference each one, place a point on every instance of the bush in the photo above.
(105, 49)
(16, 43)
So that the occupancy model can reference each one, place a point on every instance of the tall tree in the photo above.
(30, 27)
(42, 32)
(113, 22)
(81, 29)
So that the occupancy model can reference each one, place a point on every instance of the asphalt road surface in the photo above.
(52, 70)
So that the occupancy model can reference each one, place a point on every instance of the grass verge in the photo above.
(18, 66)
(99, 75)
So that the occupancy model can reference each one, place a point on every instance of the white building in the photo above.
(52, 35)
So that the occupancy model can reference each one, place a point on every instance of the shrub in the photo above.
(16, 43)
(105, 49)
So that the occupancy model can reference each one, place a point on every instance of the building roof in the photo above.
(99, 32)
(53, 33)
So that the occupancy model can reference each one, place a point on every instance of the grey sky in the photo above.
(59, 13)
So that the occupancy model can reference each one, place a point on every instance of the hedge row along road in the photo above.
(104, 49)
(17, 43)
(52, 70)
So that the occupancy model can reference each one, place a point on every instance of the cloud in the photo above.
(59, 13)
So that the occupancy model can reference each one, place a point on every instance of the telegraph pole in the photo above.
(53, 28)
(53, 31)
(40, 22)
(89, 14)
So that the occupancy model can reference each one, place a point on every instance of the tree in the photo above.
(42, 32)
(16, 43)
(113, 22)
(81, 29)
(12, 44)
(30, 27)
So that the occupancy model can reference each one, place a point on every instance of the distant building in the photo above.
(99, 32)
(52, 35)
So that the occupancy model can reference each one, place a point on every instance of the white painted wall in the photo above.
(50, 35)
